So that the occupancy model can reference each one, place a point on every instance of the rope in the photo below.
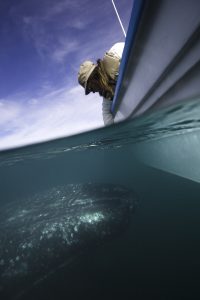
(120, 22)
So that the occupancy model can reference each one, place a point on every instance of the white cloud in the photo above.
(58, 8)
(51, 32)
(65, 47)
(54, 46)
(57, 114)
(8, 111)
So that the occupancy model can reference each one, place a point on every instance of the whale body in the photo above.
(42, 233)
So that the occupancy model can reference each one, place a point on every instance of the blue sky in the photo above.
(43, 44)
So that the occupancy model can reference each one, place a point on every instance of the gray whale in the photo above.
(42, 233)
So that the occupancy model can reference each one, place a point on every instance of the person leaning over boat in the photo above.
(101, 77)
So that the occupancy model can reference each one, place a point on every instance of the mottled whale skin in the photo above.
(41, 233)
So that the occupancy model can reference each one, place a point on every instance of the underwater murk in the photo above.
(111, 213)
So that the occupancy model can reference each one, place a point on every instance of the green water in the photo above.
(156, 156)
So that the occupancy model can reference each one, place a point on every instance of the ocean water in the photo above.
(111, 213)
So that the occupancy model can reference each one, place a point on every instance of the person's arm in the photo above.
(107, 115)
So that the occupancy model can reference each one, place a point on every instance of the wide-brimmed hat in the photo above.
(84, 73)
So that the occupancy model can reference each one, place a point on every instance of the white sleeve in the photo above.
(107, 115)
